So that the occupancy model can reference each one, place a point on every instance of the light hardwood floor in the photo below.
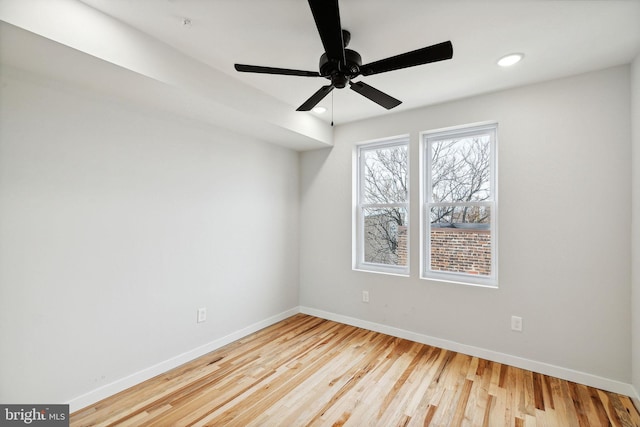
(309, 371)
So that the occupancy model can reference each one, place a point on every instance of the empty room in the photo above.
(312, 212)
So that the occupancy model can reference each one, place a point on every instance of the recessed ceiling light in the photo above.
(511, 59)
(319, 110)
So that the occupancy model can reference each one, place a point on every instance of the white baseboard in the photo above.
(494, 356)
(117, 386)
(148, 373)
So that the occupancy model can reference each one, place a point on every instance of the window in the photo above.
(382, 216)
(460, 205)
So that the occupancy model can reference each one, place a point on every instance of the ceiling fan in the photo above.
(340, 65)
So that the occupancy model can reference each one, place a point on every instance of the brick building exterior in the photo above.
(461, 250)
(456, 250)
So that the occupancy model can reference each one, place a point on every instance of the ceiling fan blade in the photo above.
(315, 98)
(327, 16)
(271, 70)
(437, 52)
(375, 95)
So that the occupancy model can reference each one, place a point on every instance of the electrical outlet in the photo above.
(365, 296)
(202, 315)
(516, 323)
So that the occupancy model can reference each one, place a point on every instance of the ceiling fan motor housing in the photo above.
(340, 73)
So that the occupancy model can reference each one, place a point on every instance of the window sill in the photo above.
(388, 273)
(488, 284)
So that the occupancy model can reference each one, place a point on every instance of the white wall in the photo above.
(564, 217)
(635, 262)
(116, 224)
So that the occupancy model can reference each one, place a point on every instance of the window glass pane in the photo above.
(460, 240)
(461, 169)
(478, 217)
(385, 175)
(385, 236)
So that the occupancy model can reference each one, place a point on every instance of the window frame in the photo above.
(427, 139)
(359, 263)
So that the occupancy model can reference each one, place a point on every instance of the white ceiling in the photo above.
(140, 51)
(558, 38)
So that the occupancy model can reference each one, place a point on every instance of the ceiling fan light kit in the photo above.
(341, 65)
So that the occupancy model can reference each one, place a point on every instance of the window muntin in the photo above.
(382, 217)
(460, 205)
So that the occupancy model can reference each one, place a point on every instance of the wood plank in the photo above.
(608, 406)
(309, 371)
(634, 415)
(538, 391)
(478, 413)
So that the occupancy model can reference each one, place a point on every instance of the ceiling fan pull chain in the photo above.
(331, 109)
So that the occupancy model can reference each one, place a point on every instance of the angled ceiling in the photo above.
(558, 38)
